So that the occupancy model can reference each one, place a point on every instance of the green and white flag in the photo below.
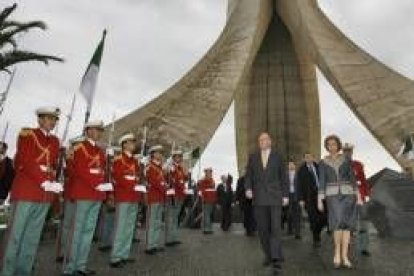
(407, 149)
(90, 78)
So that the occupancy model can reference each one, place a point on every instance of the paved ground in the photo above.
(234, 254)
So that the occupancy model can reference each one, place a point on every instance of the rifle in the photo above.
(3, 96)
(60, 176)
(109, 158)
(169, 176)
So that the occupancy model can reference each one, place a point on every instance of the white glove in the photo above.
(95, 171)
(320, 205)
(189, 192)
(145, 160)
(57, 187)
(110, 151)
(105, 187)
(44, 168)
(249, 194)
(140, 188)
(285, 201)
(54, 187)
(45, 185)
(130, 177)
(200, 193)
(302, 203)
(170, 192)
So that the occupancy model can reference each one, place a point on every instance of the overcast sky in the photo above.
(152, 43)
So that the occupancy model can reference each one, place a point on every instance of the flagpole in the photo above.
(3, 138)
(69, 119)
(6, 92)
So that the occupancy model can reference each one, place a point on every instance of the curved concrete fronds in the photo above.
(381, 98)
(190, 111)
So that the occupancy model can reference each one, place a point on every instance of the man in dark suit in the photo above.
(6, 172)
(308, 183)
(225, 200)
(266, 185)
(246, 207)
(293, 209)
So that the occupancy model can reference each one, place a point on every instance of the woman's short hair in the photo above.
(334, 138)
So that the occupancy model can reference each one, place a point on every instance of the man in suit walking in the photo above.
(265, 183)
(293, 209)
(308, 183)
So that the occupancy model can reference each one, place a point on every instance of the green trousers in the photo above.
(83, 224)
(207, 216)
(23, 238)
(363, 236)
(67, 218)
(154, 225)
(171, 221)
(125, 219)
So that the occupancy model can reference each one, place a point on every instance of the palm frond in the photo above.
(6, 13)
(16, 56)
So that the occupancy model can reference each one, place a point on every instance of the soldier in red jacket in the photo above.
(177, 177)
(32, 192)
(88, 190)
(365, 192)
(157, 188)
(62, 236)
(126, 176)
(208, 194)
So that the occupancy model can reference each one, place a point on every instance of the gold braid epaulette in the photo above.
(26, 131)
(118, 157)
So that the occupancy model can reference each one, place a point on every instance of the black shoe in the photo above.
(104, 248)
(169, 244)
(160, 249)
(59, 259)
(85, 272)
(276, 264)
(129, 260)
(136, 240)
(151, 251)
(316, 244)
(207, 232)
(365, 253)
(298, 237)
(118, 264)
(250, 234)
(267, 262)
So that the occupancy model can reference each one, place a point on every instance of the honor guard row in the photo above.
(89, 182)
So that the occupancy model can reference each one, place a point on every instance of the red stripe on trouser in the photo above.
(147, 219)
(68, 253)
(115, 231)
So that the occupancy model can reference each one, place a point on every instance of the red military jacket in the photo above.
(156, 183)
(35, 162)
(207, 187)
(126, 173)
(177, 178)
(363, 185)
(88, 172)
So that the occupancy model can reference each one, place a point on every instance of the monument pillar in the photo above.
(279, 95)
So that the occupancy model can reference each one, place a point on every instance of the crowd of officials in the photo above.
(115, 196)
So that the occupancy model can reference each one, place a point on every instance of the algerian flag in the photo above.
(407, 149)
(89, 80)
